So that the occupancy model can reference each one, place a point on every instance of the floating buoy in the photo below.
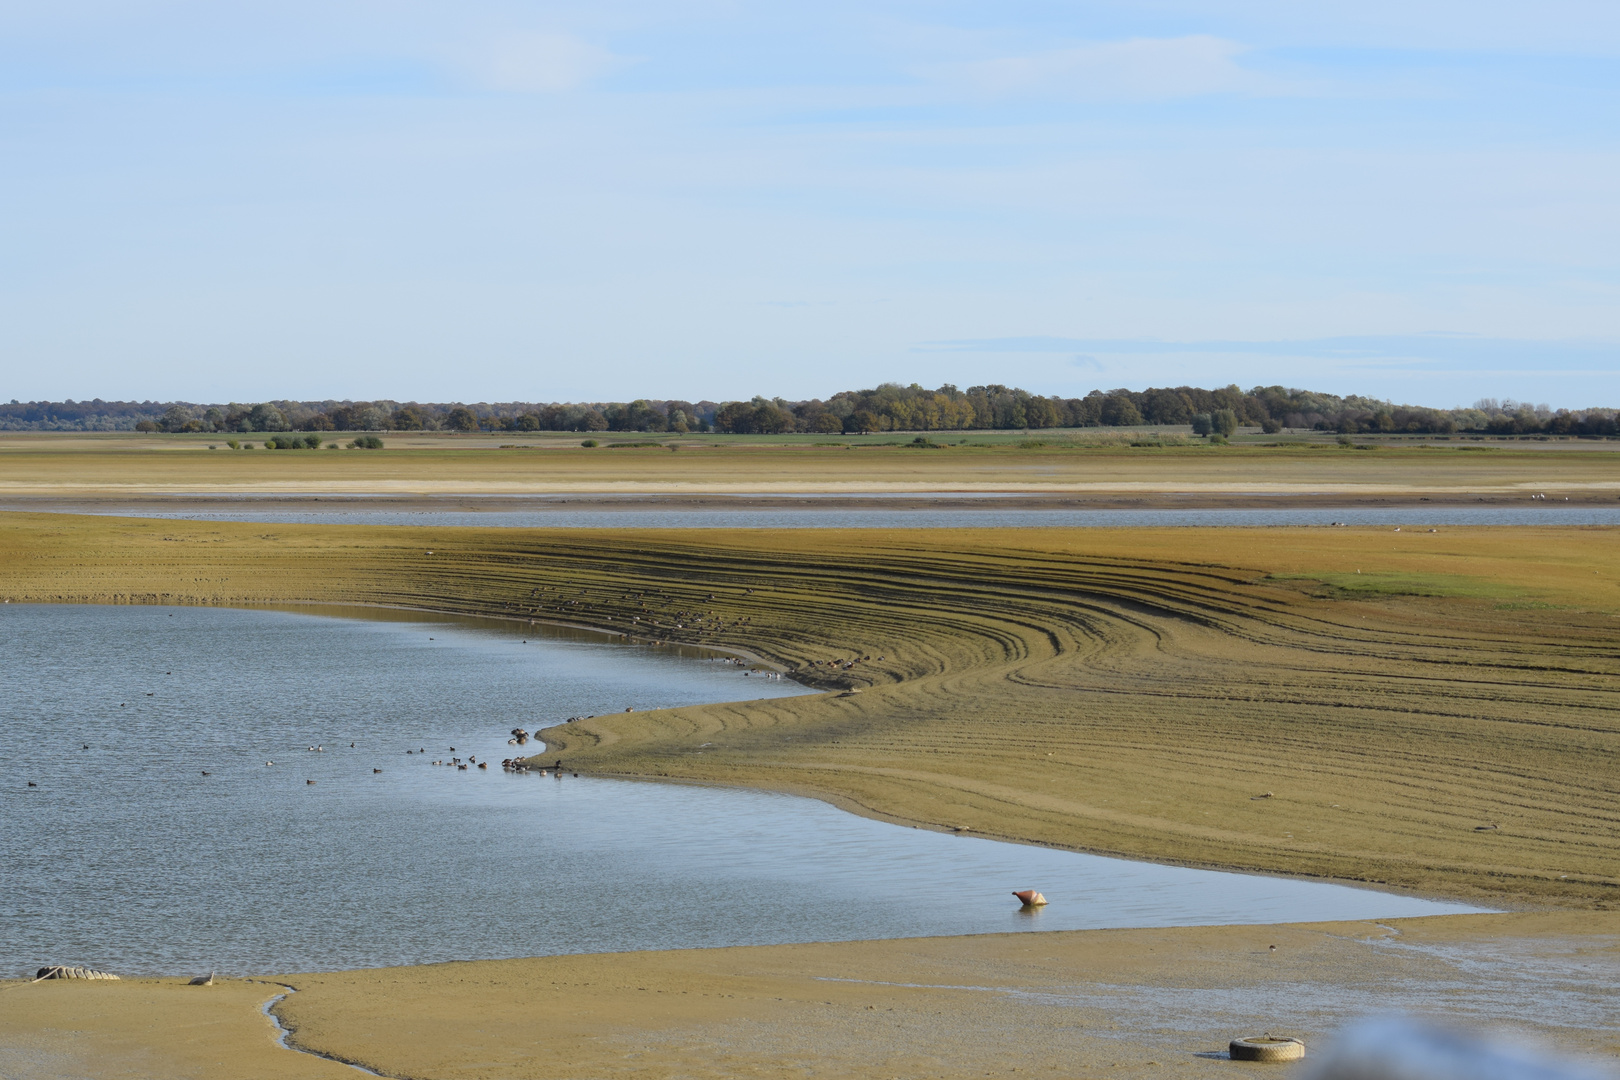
(1030, 898)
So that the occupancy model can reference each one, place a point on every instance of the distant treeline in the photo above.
(889, 407)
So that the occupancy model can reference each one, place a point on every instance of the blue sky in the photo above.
(500, 200)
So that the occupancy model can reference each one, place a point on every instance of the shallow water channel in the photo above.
(560, 514)
(157, 839)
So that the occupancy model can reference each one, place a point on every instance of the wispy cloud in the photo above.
(535, 63)
(1138, 69)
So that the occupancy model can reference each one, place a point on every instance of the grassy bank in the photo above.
(1213, 697)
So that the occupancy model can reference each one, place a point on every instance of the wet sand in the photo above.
(1120, 1003)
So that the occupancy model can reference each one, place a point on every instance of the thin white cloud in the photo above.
(1139, 69)
(533, 63)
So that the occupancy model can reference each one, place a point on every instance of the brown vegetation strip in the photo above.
(1131, 692)
(68, 466)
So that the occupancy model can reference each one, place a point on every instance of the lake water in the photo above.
(125, 856)
(988, 517)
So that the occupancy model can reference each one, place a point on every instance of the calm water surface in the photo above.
(990, 517)
(125, 856)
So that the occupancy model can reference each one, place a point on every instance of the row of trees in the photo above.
(890, 407)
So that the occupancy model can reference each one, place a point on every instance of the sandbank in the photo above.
(1114, 1003)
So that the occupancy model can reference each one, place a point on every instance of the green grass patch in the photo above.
(1406, 583)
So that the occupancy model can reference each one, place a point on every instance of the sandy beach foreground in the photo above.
(1107, 1003)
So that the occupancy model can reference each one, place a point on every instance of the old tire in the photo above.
(1266, 1048)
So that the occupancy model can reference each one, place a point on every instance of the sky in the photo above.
(492, 200)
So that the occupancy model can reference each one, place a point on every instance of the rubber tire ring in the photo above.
(1266, 1048)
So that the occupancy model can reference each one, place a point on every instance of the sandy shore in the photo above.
(137, 468)
(1114, 1003)
(1102, 690)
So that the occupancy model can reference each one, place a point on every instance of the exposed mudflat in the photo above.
(1127, 1003)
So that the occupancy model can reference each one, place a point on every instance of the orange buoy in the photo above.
(1030, 898)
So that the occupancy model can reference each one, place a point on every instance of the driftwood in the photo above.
(62, 972)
